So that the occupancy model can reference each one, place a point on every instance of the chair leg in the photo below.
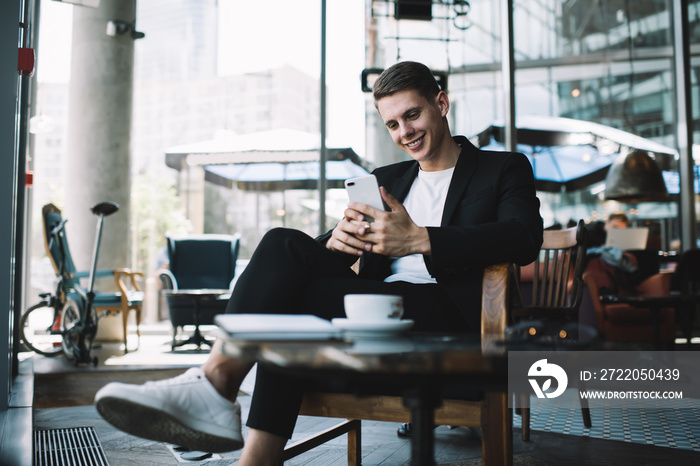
(585, 410)
(125, 321)
(352, 427)
(355, 444)
(496, 430)
(138, 328)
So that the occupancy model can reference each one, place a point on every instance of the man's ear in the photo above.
(443, 102)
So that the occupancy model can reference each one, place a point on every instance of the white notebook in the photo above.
(627, 238)
(276, 327)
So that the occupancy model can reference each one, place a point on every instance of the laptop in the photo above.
(276, 327)
(628, 238)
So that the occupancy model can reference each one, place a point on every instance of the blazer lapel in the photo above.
(464, 170)
(402, 185)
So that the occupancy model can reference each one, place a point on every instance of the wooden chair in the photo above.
(556, 278)
(453, 412)
(131, 294)
(556, 281)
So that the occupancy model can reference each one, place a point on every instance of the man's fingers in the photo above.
(390, 200)
(343, 241)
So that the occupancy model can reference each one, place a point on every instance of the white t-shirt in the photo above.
(424, 203)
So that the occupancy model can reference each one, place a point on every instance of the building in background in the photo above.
(179, 98)
(604, 62)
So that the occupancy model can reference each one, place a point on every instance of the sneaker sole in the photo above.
(157, 425)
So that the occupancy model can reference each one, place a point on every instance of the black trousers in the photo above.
(291, 273)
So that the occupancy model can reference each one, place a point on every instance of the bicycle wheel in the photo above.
(39, 330)
(72, 328)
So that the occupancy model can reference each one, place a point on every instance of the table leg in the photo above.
(422, 404)
(197, 338)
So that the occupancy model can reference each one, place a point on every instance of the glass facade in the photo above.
(608, 62)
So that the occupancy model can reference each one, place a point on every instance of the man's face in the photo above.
(415, 124)
(616, 223)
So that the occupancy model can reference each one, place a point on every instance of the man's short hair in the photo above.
(405, 76)
(621, 216)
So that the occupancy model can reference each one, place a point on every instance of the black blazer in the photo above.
(491, 215)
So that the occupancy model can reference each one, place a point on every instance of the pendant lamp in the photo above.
(635, 177)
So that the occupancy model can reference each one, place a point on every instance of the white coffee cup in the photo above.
(373, 307)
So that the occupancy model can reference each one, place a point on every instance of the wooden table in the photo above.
(417, 366)
(196, 295)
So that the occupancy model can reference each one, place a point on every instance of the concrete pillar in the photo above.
(99, 130)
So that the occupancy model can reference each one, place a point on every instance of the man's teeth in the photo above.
(414, 143)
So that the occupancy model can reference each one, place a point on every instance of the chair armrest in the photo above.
(656, 285)
(128, 283)
(167, 279)
(494, 300)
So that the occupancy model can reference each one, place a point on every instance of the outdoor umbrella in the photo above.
(568, 155)
(275, 176)
(273, 160)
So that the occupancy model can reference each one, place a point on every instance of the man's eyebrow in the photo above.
(411, 110)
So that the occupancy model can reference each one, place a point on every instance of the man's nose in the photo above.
(406, 130)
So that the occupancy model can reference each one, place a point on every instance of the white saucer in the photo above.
(372, 328)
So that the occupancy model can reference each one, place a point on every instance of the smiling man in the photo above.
(452, 210)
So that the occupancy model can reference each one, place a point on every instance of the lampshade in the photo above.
(635, 177)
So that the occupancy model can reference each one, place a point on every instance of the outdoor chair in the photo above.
(206, 261)
(453, 412)
(550, 290)
(129, 283)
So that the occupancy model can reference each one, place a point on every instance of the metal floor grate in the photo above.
(75, 446)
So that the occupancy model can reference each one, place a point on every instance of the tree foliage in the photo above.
(156, 210)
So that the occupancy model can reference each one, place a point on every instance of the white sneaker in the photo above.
(185, 410)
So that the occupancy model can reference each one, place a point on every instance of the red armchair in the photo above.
(623, 322)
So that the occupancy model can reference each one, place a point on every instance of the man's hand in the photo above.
(391, 233)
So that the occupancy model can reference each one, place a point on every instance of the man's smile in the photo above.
(414, 144)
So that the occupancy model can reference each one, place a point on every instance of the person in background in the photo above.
(617, 220)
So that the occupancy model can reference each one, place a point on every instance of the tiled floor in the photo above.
(676, 428)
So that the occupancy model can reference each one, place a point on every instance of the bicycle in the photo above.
(68, 315)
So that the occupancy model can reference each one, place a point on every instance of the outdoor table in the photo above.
(678, 301)
(196, 295)
(417, 366)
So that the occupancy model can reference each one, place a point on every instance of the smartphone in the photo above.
(365, 190)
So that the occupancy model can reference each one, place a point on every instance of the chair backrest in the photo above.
(57, 244)
(203, 261)
(556, 276)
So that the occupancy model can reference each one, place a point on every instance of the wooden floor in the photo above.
(63, 398)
